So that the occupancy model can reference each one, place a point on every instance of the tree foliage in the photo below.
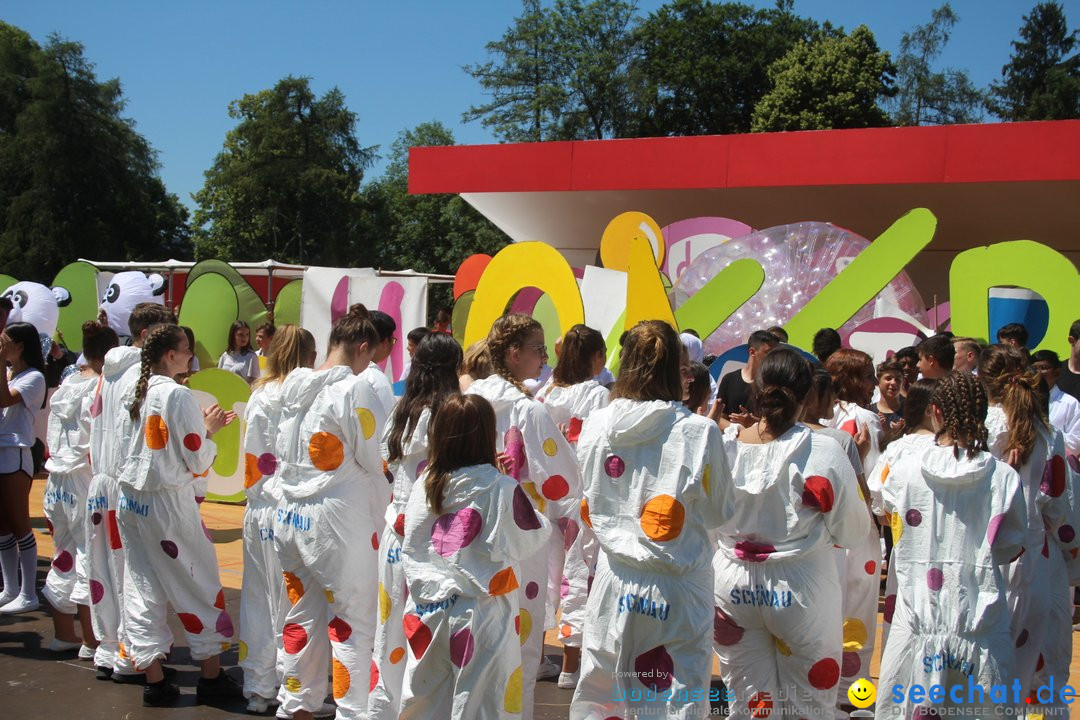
(1041, 80)
(835, 82)
(287, 182)
(76, 179)
(926, 97)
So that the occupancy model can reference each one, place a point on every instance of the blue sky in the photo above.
(397, 61)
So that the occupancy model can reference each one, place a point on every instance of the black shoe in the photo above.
(103, 672)
(160, 694)
(140, 678)
(222, 689)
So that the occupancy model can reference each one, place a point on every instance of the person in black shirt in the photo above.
(1069, 380)
(734, 389)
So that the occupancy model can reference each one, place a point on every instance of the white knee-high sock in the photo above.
(28, 564)
(9, 564)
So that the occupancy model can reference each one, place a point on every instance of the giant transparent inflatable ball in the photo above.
(799, 260)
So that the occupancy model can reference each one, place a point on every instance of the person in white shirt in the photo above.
(239, 358)
(1064, 408)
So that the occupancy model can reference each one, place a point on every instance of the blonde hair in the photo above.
(477, 361)
(508, 332)
(651, 364)
(290, 347)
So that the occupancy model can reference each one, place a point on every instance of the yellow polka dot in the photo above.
(341, 680)
(524, 625)
(512, 696)
(157, 433)
(384, 604)
(251, 470)
(538, 499)
(706, 476)
(862, 495)
(242, 653)
(329, 596)
(396, 655)
(367, 422)
(662, 518)
(292, 684)
(293, 587)
(854, 634)
(781, 647)
(550, 447)
(897, 524)
(326, 451)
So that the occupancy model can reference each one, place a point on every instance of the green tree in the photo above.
(835, 82)
(287, 183)
(76, 179)
(703, 66)
(1041, 80)
(926, 97)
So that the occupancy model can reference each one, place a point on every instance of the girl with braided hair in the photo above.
(958, 519)
(539, 457)
(432, 379)
(170, 559)
(1019, 433)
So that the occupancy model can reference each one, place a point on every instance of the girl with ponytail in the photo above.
(328, 523)
(263, 597)
(433, 379)
(656, 485)
(169, 558)
(539, 457)
(794, 497)
(958, 519)
(1019, 433)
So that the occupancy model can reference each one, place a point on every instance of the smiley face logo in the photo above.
(862, 693)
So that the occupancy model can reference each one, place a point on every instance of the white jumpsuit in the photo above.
(547, 470)
(656, 483)
(955, 523)
(1039, 575)
(170, 557)
(110, 434)
(570, 580)
(67, 584)
(327, 535)
(860, 563)
(262, 595)
(463, 624)
(389, 654)
(382, 388)
(778, 624)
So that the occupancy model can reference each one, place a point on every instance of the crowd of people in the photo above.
(409, 554)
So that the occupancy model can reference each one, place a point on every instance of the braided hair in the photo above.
(161, 340)
(962, 401)
(509, 331)
(1009, 380)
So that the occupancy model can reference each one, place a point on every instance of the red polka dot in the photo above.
(191, 623)
(1039, 666)
(760, 705)
(219, 601)
(192, 441)
(850, 427)
(374, 677)
(418, 635)
(818, 493)
(870, 567)
(375, 541)
(824, 674)
(555, 487)
(339, 630)
(1053, 479)
(294, 638)
(399, 525)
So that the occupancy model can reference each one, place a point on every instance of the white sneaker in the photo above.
(86, 652)
(326, 711)
(57, 645)
(568, 681)
(5, 598)
(20, 605)
(258, 705)
(548, 669)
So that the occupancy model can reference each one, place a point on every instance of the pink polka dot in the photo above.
(514, 446)
(890, 608)
(192, 441)
(339, 630)
(935, 579)
(614, 466)
(753, 552)
(913, 517)
(224, 625)
(374, 541)
(824, 674)
(564, 588)
(461, 647)
(851, 664)
(555, 487)
(532, 590)
(524, 514)
(1066, 533)
(266, 463)
(97, 592)
(725, 630)
(1046, 547)
(453, 531)
(1022, 638)
(170, 549)
(96, 406)
(993, 526)
(818, 493)
(870, 567)
(654, 668)
(63, 562)
(294, 638)
(570, 531)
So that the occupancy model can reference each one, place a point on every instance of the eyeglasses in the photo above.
(538, 347)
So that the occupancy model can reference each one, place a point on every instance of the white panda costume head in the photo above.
(125, 291)
(38, 305)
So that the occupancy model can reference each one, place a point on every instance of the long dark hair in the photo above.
(462, 433)
(916, 402)
(237, 326)
(27, 334)
(432, 378)
(579, 347)
(353, 328)
(782, 382)
(161, 340)
(1009, 380)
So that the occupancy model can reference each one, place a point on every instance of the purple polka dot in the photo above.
(532, 590)
(725, 630)
(1022, 639)
(421, 468)
(993, 527)
(266, 463)
(524, 514)
(453, 531)
(96, 518)
(461, 647)
(614, 466)
(224, 625)
(913, 517)
(570, 531)
(654, 668)
(564, 588)
(514, 445)
(63, 562)
(850, 664)
(170, 548)
(752, 551)
(1066, 533)
(97, 592)
(935, 579)
(890, 608)
(206, 532)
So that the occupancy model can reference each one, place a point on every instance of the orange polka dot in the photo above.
(157, 433)
(585, 512)
(326, 451)
(503, 582)
(341, 680)
(662, 518)
(251, 470)
(396, 655)
(294, 587)
(566, 630)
